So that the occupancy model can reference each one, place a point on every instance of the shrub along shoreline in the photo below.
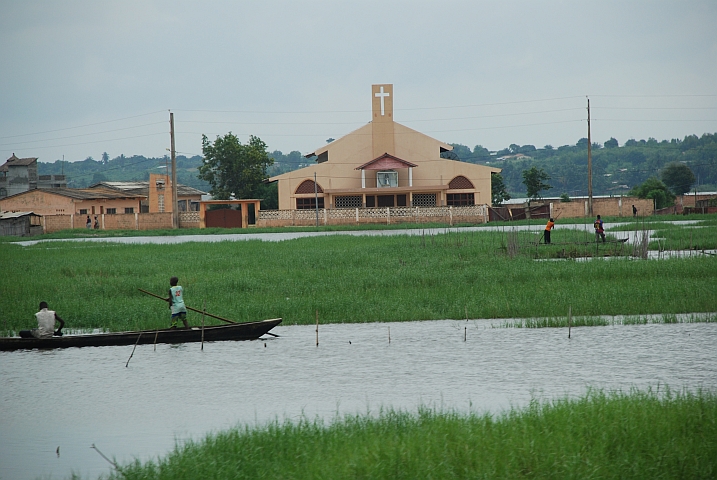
(640, 434)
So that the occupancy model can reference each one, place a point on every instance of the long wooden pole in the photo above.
(590, 167)
(201, 311)
(204, 312)
(190, 308)
(135, 348)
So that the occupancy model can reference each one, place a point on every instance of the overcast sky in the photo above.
(80, 78)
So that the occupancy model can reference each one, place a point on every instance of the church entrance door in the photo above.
(385, 201)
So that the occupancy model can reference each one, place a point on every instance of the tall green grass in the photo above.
(602, 321)
(641, 434)
(345, 278)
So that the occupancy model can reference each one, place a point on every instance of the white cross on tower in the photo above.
(381, 95)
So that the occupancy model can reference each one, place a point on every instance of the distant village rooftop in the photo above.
(142, 188)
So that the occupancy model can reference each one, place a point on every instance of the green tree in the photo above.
(534, 181)
(653, 188)
(499, 193)
(234, 169)
(480, 154)
(612, 143)
(678, 177)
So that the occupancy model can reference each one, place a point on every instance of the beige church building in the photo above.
(384, 164)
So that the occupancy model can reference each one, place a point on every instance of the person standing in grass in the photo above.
(599, 229)
(45, 324)
(548, 228)
(176, 303)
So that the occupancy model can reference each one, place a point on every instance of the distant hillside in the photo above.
(616, 168)
(89, 171)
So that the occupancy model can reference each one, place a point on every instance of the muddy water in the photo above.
(75, 398)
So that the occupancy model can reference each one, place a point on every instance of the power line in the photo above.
(82, 126)
(81, 135)
(99, 141)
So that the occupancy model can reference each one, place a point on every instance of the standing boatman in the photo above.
(548, 228)
(176, 303)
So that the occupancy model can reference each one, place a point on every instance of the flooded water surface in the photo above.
(75, 398)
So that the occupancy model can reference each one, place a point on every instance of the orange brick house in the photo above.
(72, 201)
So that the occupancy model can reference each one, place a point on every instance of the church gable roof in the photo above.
(364, 132)
(385, 162)
(403, 131)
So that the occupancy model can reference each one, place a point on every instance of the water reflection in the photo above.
(74, 398)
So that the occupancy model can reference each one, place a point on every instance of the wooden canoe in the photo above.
(215, 333)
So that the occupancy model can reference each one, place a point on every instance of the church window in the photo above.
(460, 182)
(308, 203)
(307, 186)
(349, 201)
(458, 199)
(387, 178)
(424, 199)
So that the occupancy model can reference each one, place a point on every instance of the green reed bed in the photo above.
(602, 321)
(640, 434)
(569, 243)
(347, 279)
(700, 237)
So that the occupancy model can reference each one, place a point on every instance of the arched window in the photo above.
(307, 186)
(460, 182)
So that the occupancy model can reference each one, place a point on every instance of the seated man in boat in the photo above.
(176, 303)
(45, 324)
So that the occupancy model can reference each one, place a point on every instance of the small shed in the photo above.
(20, 224)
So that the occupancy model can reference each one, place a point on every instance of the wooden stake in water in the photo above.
(389, 335)
(204, 310)
(465, 333)
(570, 319)
(135, 347)
(103, 456)
(156, 332)
(317, 328)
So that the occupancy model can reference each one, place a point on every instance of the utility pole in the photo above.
(316, 200)
(590, 167)
(175, 210)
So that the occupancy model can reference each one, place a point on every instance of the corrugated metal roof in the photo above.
(6, 215)
(79, 194)
(142, 188)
